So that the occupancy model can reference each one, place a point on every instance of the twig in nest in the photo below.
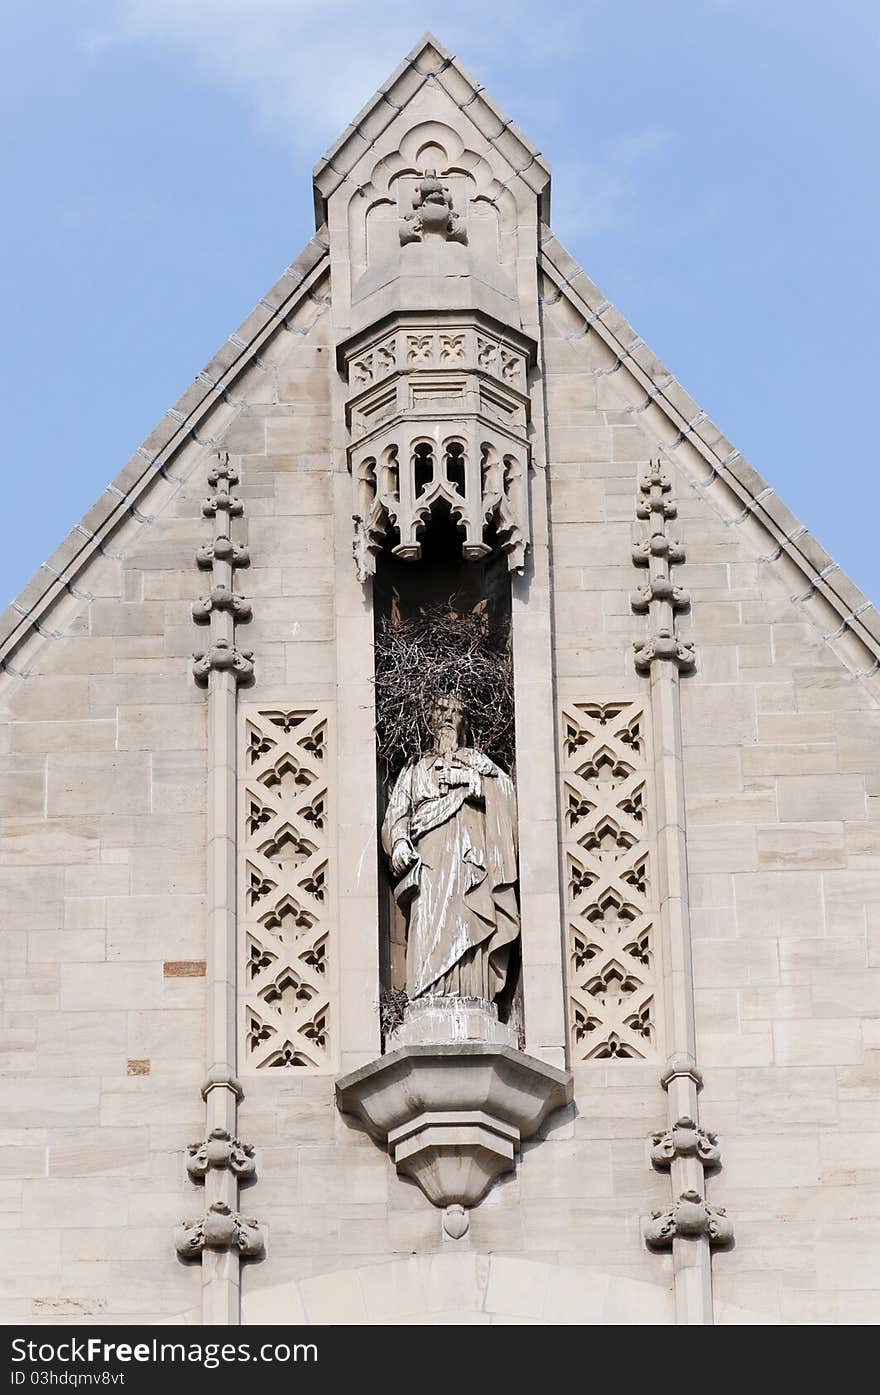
(392, 1008)
(443, 650)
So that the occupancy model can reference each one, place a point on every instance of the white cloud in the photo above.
(305, 67)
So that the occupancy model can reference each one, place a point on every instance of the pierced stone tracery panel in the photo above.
(610, 908)
(286, 888)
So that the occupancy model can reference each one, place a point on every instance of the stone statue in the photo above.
(450, 836)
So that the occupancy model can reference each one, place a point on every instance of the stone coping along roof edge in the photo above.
(178, 426)
(787, 536)
(429, 61)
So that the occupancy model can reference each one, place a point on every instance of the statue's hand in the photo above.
(475, 785)
(455, 775)
(465, 777)
(403, 856)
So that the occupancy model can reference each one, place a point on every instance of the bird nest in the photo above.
(443, 650)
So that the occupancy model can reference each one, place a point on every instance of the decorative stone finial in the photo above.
(665, 645)
(224, 657)
(456, 1222)
(222, 549)
(221, 598)
(220, 1228)
(220, 1150)
(685, 1140)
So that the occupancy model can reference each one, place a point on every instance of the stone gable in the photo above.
(191, 879)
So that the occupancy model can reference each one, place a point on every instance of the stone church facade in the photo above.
(225, 1096)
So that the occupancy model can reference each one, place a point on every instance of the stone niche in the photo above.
(436, 367)
(452, 1099)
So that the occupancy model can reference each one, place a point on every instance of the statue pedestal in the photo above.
(441, 1021)
(453, 1112)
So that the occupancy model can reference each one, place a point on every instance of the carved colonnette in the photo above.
(287, 942)
(690, 1227)
(660, 598)
(609, 879)
(221, 1236)
(221, 609)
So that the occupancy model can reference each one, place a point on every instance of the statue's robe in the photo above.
(459, 898)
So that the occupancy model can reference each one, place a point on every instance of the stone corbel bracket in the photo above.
(660, 598)
(453, 1116)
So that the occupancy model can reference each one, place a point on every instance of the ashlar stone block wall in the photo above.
(781, 764)
(102, 852)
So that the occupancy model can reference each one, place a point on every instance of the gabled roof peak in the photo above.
(429, 62)
(429, 40)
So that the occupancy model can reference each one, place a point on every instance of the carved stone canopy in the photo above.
(438, 414)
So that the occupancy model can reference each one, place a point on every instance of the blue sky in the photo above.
(715, 172)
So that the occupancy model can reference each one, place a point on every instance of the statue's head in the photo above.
(447, 716)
